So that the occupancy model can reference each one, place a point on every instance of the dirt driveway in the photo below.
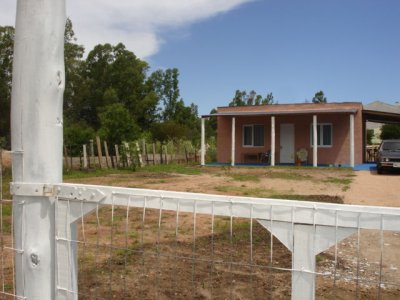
(369, 188)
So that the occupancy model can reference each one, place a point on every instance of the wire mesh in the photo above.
(138, 252)
(7, 290)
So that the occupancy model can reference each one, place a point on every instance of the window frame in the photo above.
(321, 135)
(252, 137)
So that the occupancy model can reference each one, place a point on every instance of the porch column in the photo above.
(315, 142)
(203, 141)
(233, 142)
(351, 136)
(273, 141)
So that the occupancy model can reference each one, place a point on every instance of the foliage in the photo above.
(6, 59)
(117, 125)
(169, 130)
(73, 54)
(166, 86)
(77, 133)
(109, 92)
(241, 98)
(319, 97)
(211, 151)
(390, 131)
(370, 136)
(211, 125)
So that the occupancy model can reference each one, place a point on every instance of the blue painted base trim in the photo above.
(357, 167)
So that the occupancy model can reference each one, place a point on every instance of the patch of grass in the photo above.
(77, 174)
(6, 179)
(156, 181)
(245, 177)
(245, 191)
(288, 175)
(174, 168)
(336, 180)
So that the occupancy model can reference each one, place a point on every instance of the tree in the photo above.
(169, 131)
(113, 74)
(166, 86)
(319, 97)
(211, 124)
(370, 136)
(6, 59)
(390, 131)
(117, 124)
(73, 54)
(241, 98)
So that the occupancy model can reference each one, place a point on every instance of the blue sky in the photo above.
(350, 49)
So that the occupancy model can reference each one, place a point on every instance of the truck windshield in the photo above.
(391, 146)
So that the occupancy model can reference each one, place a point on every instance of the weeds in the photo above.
(245, 177)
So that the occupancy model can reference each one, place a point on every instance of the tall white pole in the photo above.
(272, 141)
(315, 142)
(233, 141)
(351, 136)
(203, 141)
(37, 139)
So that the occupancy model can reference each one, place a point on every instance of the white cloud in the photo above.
(136, 23)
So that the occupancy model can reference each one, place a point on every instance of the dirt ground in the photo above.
(136, 254)
(358, 255)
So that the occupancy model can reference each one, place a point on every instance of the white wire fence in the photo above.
(115, 243)
(164, 245)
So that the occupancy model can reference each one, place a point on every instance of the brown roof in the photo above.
(298, 108)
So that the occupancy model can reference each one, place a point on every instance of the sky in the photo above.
(349, 49)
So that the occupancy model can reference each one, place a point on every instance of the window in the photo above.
(324, 135)
(253, 135)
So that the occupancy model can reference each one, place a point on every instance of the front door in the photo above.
(287, 143)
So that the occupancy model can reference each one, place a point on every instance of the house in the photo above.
(314, 133)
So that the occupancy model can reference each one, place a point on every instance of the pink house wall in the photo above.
(339, 153)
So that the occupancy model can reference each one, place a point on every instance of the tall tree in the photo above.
(319, 97)
(113, 74)
(6, 59)
(241, 98)
(73, 54)
(166, 86)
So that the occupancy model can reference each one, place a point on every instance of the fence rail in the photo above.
(171, 245)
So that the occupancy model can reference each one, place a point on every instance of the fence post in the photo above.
(99, 152)
(85, 163)
(91, 160)
(154, 153)
(117, 156)
(107, 154)
(37, 141)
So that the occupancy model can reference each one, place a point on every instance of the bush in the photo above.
(390, 131)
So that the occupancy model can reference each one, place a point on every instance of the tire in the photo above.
(379, 170)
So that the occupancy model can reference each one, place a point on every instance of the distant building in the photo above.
(284, 130)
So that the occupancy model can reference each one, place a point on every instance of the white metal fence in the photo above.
(146, 244)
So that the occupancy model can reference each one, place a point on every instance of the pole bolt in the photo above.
(35, 260)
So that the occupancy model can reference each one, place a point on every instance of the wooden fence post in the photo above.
(107, 155)
(85, 163)
(91, 160)
(139, 154)
(154, 153)
(99, 153)
(128, 155)
(66, 157)
(117, 163)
